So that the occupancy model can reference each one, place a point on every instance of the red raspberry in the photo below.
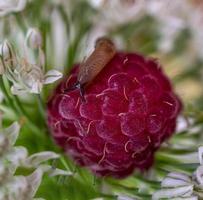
(130, 109)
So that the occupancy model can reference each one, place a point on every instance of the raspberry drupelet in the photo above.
(130, 109)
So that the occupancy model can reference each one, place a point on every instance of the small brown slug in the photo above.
(104, 51)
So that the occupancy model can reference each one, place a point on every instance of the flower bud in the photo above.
(34, 38)
(8, 60)
(4, 52)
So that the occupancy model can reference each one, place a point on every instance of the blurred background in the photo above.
(169, 31)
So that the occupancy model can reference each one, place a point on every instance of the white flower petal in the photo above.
(173, 192)
(122, 197)
(16, 188)
(17, 155)
(199, 175)
(21, 5)
(12, 132)
(36, 159)
(169, 182)
(179, 175)
(34, 38)
(57, 172)
(36, 87)
(52, 76)
(17, 90)
(186, 198)
(4, 49)
(200, 154)
(54, 171)
(7, 6)
(34, 181)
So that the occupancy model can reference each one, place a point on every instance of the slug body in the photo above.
(103, 53)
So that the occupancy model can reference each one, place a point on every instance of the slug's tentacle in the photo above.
(76, 86)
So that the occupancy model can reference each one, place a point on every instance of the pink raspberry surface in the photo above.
(130, 110)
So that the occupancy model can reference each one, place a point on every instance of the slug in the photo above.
(104, 51)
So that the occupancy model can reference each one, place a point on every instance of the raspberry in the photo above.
(130, 110)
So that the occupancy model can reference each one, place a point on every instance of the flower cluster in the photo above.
(11, 157)
(25, 74)
(182, 186)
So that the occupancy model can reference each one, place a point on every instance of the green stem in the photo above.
(20, 21)
(20, 107)
(129, 190)
(41, 107)
(30, 123)
(6, 95)
(63, 161)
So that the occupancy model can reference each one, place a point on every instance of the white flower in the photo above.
(175, 179)
(11, 157)
(7, 6)
(26, 76)
(175, 185)
(22, 187)
(36, 159)
(182, 186)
